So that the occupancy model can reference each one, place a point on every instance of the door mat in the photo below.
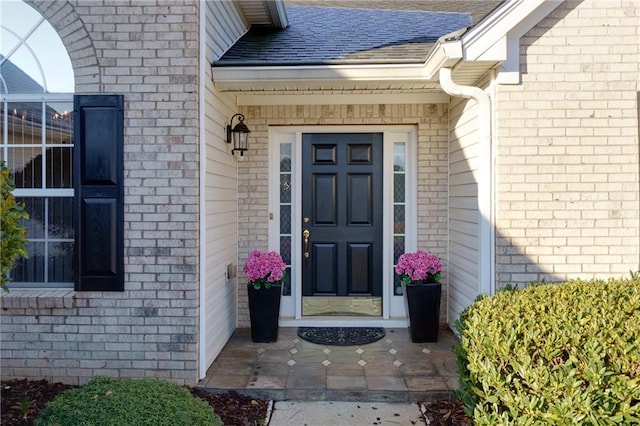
(341, 336)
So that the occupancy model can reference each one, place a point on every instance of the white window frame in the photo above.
(43, 192)
(393, 306)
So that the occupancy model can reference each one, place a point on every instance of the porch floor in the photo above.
(392, 369)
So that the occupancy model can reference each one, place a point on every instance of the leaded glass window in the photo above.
(285, 213)
(399, 209)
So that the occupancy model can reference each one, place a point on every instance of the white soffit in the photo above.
(264, 12)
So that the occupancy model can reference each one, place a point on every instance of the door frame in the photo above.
(393, 308)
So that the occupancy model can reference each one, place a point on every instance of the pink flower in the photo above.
(418, 267)
(264, 268)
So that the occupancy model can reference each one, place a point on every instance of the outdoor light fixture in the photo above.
(239, 133)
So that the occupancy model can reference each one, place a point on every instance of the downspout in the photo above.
(485, 177)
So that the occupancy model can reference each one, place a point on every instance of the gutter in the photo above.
(486, 231)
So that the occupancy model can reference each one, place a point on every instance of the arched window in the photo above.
(32, 56)
(36, 91)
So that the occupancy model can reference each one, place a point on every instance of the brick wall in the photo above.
(253, 187)
(146, 51)
(568, 192)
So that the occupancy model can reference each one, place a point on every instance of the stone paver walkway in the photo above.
(392, 369)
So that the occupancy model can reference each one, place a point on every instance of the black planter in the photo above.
(423, 302)
(264, 311)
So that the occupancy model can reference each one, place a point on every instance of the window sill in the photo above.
(31, 298)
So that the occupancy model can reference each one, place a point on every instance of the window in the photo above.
(37, 143)
(66, 155)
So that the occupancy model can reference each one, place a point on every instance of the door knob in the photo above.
(305, 235)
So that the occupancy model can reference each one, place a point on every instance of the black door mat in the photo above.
(341, 336)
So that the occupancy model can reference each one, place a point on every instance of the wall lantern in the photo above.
(240, 135)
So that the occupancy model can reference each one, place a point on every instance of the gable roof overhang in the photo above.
(264, 13)
(471, 53)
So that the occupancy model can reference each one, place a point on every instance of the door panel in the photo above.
(359, 194)
(342, 198)
(325, 202)
(325, 268)
(360, 268)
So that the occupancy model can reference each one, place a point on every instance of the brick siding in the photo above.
(147, 51)
(568, 192)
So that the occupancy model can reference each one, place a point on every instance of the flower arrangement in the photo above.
(418, 268)
(264, 269)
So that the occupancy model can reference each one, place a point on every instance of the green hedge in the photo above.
(104, 401)
(553, 354)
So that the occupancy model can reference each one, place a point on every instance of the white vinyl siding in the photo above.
(463, 207)
(223, 26)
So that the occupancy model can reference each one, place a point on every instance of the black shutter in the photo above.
(99, 199)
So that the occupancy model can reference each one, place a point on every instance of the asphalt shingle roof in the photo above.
(327, 35)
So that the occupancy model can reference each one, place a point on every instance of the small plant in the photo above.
(106, 401)
(264, 269)
(12, 236)
(418, 268)
(23, 407)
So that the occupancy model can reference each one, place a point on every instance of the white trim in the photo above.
(225, 77)
(291, 306)
(44, 192)
(497, 37)
(41, 97)
(248, 99)
(202, 252)
(277, 13)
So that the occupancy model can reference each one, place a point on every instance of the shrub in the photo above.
(12, 235)
(105, 401)
(553, 354)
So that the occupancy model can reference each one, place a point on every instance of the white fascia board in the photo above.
(497, 38)
(444, 54)
(253, 98)
(306, 73)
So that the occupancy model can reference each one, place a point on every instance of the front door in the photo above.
(342, 223)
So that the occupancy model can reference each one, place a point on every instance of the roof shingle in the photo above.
(328, 35)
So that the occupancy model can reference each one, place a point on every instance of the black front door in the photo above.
(342, 214)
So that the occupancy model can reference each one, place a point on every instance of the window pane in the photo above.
(285, 219)
(25, 123)
(397, 286)
(398, 157)
(285, 249)
(286, 287)
(285, 157)
(61, 218)
(59, 168)
(59, 118)
(60, 262)
(398, 219)
(35, 208)
(398, 248)
(26, 166)
(285, 188)
(30, 270)
(398, 188)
